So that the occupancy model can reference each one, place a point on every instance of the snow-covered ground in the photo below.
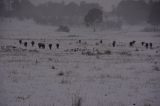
(117, 76)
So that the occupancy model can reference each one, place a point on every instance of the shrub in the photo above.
(108, 52)
(61, 74)
(62, 28)
(125, 53)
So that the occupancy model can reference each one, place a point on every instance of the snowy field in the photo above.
(88, 73)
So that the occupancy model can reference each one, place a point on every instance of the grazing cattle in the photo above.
(131, 44)
(114, 43)
(32, 43)
(75, 50)
(57, 45)
(147, 45)
(41, 45)
(142, 43)
(20, 42)
(151, 45)
(134, 41)
(101, 41)
(50, 46)
(25, 44)
(79, 41)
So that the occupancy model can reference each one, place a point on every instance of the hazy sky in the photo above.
(107, 4)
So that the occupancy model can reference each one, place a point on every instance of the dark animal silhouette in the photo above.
(101, 41)
(20, 42)
(146, 45)
(134, 41)
(114, 43)
(41, 45)
(50, 46)
(151, 45)
(57, 45)
(25, 44)
(32, 43)
(142, 43)
(79, 41)
(131, 44)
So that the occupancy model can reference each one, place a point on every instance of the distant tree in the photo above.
(85, 7)
(2, 7)
(132, 11)
(154, 17)
(93, 17)
(16, 4)
(72, 8)
(18, 8)
(51, 13)
(5, 8)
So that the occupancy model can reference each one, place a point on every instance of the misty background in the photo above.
(79, 52)
(116, 13)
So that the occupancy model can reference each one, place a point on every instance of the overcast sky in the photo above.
(107, 4)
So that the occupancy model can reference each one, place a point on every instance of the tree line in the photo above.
(137, 12)
(53, 13)
(131, 12)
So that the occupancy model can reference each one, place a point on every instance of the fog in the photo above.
(107, 4)
(88, 53)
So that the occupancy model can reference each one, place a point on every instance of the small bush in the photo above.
(50, 59)
(61, 74)
(147, 104)
(125, 53)
(108, 52)
(88, 53)
(53, 67)
(33, 51)
(62, 28)
(64, 81)
(156, 68)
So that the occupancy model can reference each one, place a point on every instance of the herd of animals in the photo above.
(50, 45)
(40, 45)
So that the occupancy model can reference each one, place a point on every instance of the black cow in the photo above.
(79, 41)
(32, 43)
(57, 45)
(20, 42)
(142, 43)
(25, 44)
(114, 43)
(50, 46)
(131, 44)
(41, 45)
(134, 41)
(151, 45)
(101, 41)
(146, 45)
